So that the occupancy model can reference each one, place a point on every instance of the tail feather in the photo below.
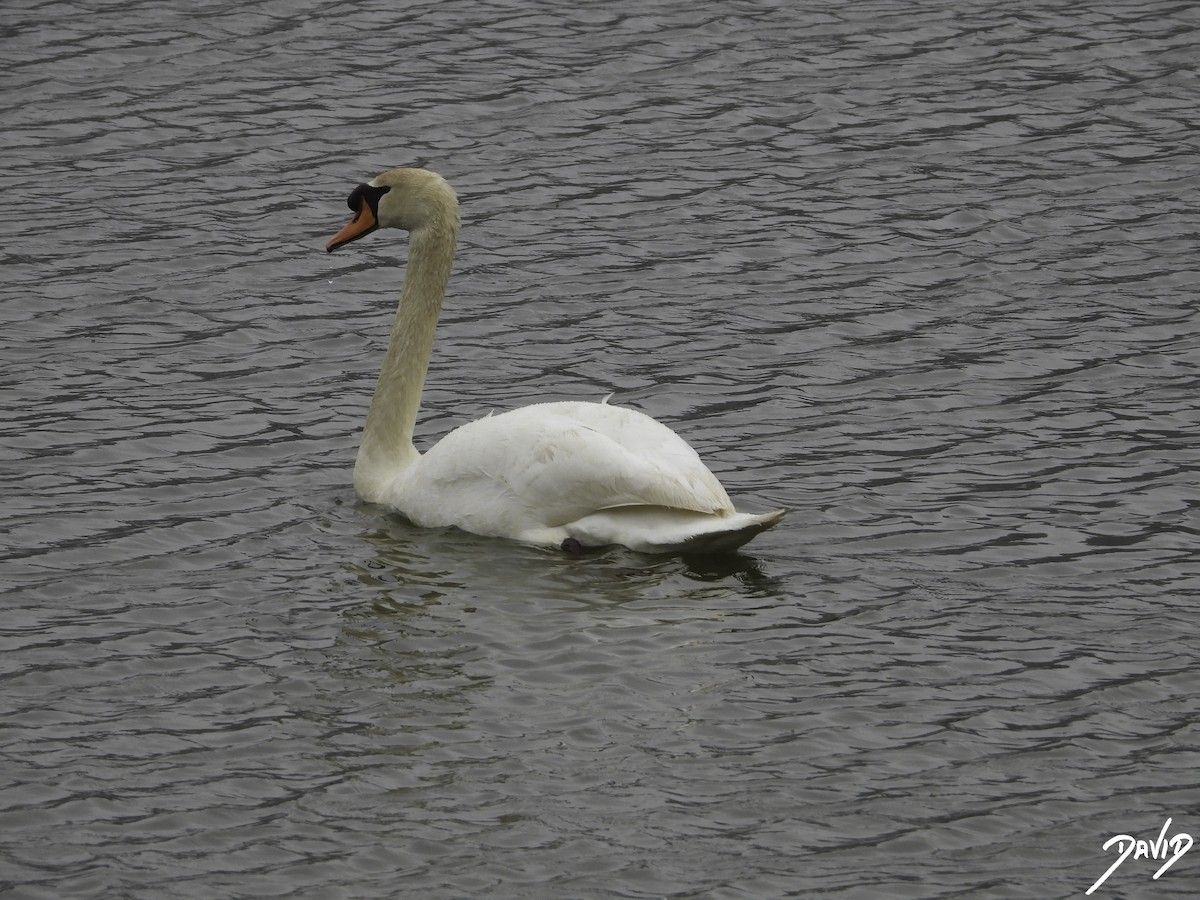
(656, 529)
(728, 541)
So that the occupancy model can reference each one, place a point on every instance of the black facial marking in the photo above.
(368, 193)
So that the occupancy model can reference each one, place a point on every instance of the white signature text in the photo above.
(1176, 845)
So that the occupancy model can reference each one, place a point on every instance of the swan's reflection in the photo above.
(410, 567)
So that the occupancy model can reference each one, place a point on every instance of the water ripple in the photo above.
(925, 276)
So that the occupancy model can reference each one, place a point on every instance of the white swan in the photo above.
(569, 474)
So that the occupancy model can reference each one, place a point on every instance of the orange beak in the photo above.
(363, 223)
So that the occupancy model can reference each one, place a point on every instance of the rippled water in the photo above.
(925, 273)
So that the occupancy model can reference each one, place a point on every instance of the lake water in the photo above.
(925, 273)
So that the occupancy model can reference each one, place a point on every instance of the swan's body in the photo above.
(551, 473)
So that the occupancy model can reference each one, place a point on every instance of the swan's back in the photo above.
(532, 472)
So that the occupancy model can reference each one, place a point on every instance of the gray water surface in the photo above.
(925, 273)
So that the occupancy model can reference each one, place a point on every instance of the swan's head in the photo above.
(412, 199)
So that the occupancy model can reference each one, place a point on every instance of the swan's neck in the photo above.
(386, 448)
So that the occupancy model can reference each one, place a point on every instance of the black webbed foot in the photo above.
(572, 547)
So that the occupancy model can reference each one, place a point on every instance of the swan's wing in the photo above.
(595, 466)
(656, 464)
(549, 464)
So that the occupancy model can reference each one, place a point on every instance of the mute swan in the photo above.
(569, 474)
